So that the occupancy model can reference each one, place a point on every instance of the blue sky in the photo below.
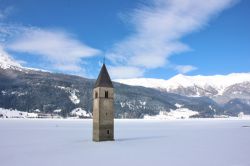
(154, 38)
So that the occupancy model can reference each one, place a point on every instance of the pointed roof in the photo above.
(103, 79)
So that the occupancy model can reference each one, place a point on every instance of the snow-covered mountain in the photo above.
(6, 62)
(221, 88)
(30, 90)
(33, 90)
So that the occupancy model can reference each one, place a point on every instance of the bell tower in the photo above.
(103, 107)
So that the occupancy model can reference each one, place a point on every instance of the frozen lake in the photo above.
(138, 142)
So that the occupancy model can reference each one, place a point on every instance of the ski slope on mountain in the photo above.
(137, 142)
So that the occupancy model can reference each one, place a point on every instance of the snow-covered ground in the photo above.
(138, 142)
(73, 97)
(12, 113)
(79, 112)
(180, 113)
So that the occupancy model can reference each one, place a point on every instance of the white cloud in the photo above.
(125, 72)
(185, 68)
(159, 28)
(59, 48)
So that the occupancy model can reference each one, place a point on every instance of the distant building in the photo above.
(103, 107)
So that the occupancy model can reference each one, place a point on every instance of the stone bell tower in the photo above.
(103, 107)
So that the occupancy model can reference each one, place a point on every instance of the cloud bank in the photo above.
(59, 48)
(158, 29)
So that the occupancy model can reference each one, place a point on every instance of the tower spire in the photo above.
(104, 59)
(103, 79)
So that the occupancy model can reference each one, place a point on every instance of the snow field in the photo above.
(138, 142)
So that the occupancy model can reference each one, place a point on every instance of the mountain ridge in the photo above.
(220, 88)
(54, 93)
(188, 81)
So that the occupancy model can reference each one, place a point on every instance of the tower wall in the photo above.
(103, 114)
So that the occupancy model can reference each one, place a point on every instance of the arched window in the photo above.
(106, 94)
(96, 94)
(107, 131)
